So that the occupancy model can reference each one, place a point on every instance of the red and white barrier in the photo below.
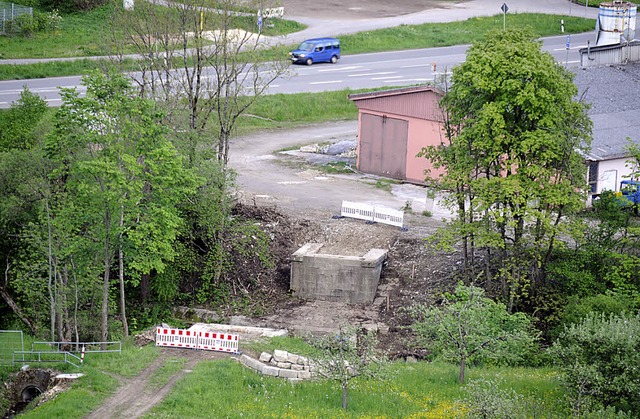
(222, 342)
(176, 338)
(184, 338)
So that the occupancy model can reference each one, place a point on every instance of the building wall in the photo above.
(421, 133)
(610, 173)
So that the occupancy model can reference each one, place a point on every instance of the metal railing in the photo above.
(63, 352)
(9, 12)
(28, 357)
(89, 347)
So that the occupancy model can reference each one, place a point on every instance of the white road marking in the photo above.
(326, 82)
(353, 67)
(386, 78)
(372, 74)
(419, 80)
(415, 65)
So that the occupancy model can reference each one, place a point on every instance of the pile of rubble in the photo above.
(279, 364)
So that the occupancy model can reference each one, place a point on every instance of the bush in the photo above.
(39, 22)
(600, 358)
(27, 24)
(486, 400)
(578, 308)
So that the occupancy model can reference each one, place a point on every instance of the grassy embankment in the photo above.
(227, 389)
(77, 39)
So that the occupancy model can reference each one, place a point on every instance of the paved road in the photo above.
(386, 69)
(444, 57)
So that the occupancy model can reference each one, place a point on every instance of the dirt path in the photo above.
(136, 396)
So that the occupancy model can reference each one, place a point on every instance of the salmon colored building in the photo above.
(393, 127)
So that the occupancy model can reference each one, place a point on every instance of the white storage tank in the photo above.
(616, 22)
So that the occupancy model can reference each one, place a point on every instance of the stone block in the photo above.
(280, 356)
(304, 375)
(269, 370)
(250, 362)
(287, 374)
(297, 367)
(293, 358)
(265, 357)
(284, 365)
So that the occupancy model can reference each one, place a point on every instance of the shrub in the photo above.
(600, 358)
(485, 400)
(27, 24)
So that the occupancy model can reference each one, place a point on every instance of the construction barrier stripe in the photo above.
(182, 338)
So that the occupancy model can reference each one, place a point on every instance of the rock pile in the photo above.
(280, 364)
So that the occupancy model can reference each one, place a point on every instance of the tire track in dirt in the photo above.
(135, 396)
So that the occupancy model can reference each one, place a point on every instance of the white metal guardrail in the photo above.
(372, 213)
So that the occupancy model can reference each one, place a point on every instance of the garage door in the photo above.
(383, 146)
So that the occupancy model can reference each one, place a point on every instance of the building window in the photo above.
(593, 176)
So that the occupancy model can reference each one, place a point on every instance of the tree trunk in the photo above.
(123, 312)
(105, 283)
(463, 364)
(51, 279)
(11, 303)
(75, 303)
(345, 391)
(144, 287)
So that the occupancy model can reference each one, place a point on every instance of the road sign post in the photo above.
(504, 9)
(567, 45)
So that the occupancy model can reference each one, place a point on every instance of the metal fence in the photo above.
(622, 53)
(9, 12)
(86, 347)
(10, 341)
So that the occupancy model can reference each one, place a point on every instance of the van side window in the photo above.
(319, 49)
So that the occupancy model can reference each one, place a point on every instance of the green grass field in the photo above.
(225, 388)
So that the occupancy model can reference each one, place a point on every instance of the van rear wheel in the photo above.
(334, 59)
(309, 61)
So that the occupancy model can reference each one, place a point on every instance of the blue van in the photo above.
(316, 50)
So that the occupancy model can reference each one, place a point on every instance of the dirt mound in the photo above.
(411, 274)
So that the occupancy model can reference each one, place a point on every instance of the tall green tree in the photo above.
(22, 186)
(125, 180)
(513, 135)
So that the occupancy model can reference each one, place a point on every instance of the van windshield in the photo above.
(306, 46)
